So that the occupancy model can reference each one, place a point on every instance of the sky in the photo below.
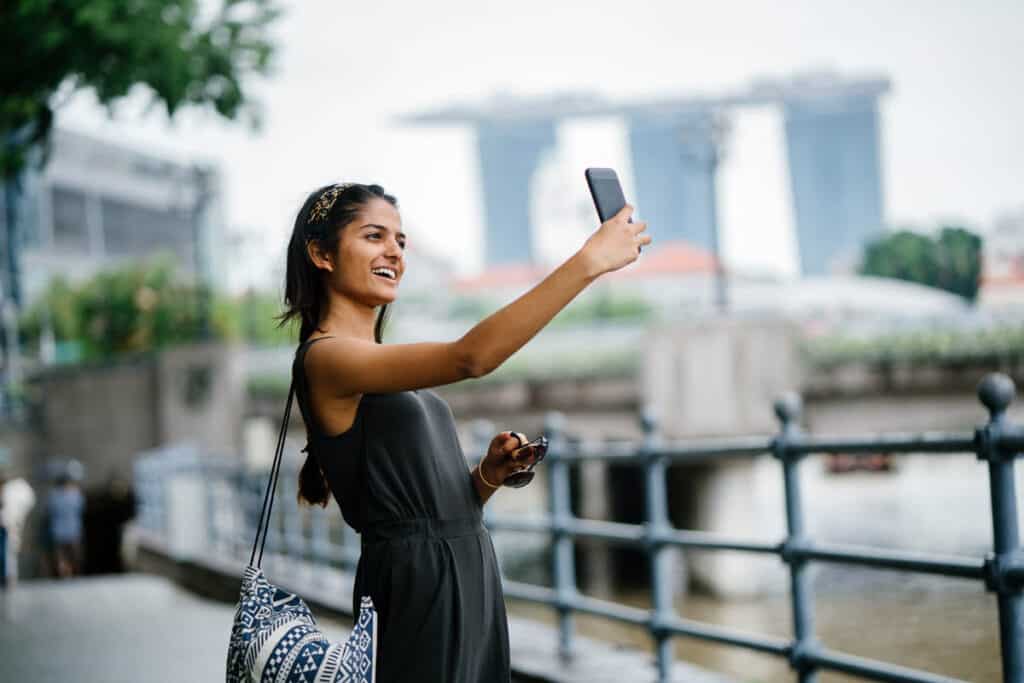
(952, 139)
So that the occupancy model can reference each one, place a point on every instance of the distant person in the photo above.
(64, 506)
(3, 541)
(16, 500)
(106, 512)
(385, 444)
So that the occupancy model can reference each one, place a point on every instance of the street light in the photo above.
(703, 146)
(193, 194)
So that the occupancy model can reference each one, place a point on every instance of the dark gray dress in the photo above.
(401, 480)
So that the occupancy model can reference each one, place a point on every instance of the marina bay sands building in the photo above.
(831, 143)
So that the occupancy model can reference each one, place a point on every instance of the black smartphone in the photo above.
(607, 192)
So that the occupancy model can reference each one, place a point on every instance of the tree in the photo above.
(960, 261)
(146, 306)
(111, 46)
(951, 261)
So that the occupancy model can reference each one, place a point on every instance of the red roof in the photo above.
(669, 258)
(501, 275)
(1014, 280)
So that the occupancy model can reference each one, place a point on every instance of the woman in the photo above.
(385, 445)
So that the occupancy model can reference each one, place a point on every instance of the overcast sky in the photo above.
(952, 140)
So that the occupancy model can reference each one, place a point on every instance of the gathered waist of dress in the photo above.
(421, 526)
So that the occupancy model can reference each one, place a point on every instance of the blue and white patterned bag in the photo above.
(275, 638)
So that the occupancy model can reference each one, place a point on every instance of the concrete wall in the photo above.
(100, 415)
(718, 377)
(201, 396)
(104, 415)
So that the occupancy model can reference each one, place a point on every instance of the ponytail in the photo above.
(313, 488)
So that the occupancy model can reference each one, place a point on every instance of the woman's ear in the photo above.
(318, 256)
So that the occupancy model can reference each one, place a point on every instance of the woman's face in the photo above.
(373, 241)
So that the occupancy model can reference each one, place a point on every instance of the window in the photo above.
(70, 225)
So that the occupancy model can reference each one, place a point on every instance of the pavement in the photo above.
(114, 629)
(137, 627)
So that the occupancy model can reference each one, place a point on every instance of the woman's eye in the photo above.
(377, 234)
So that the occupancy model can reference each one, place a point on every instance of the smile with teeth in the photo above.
(388, 273)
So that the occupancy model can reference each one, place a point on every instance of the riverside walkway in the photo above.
(139, 627)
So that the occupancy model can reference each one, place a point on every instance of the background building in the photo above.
(1002, 258)
(831, 136)
(832, 142)
(98, 204)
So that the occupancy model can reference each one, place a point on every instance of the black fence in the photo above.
(997, 444)
(226, 503)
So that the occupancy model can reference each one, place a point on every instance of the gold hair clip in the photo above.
(325, 202)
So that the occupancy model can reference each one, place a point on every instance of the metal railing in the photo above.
(996, 443)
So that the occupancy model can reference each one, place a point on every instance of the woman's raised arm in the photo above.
(352, 366)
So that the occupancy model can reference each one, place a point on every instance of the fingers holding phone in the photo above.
(618, 242)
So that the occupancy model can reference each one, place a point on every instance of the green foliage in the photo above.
(270, 386)
(143, 307)
(471, 308)
(924, 346)
(256, 313)
(952, 261)
(605, 306)
(111, 46)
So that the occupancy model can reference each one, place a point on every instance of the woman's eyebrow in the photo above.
(381, 227)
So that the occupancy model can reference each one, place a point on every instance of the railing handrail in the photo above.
(996, 443)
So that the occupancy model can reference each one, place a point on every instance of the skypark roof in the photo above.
(804, 88)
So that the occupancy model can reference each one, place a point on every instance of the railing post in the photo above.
(482, 431)
(658, 554)
(350, 548)
(210, 474)
(560, 509)
(788, 409)
(320, 544)
(294, 539)
(996, 392)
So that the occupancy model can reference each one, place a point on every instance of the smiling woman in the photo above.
(387, 452)
(384, 444)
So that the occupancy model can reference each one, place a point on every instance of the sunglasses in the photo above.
(518, 480)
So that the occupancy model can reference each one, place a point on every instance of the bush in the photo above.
(143, 307)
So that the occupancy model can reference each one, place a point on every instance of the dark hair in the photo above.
(305, 294)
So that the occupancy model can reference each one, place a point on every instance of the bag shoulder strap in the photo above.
(268, 497)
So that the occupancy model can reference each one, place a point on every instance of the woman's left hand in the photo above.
(501, 459)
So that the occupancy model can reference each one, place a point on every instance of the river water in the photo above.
(944, 626)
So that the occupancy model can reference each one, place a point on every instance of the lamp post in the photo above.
(10, 283)
(703, 146)
(201, 178)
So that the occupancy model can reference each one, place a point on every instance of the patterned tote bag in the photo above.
(275, 638)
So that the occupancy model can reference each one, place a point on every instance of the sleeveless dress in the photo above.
(401, 481)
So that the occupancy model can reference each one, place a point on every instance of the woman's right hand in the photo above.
(617, 242)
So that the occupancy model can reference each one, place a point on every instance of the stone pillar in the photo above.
(718, 378)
